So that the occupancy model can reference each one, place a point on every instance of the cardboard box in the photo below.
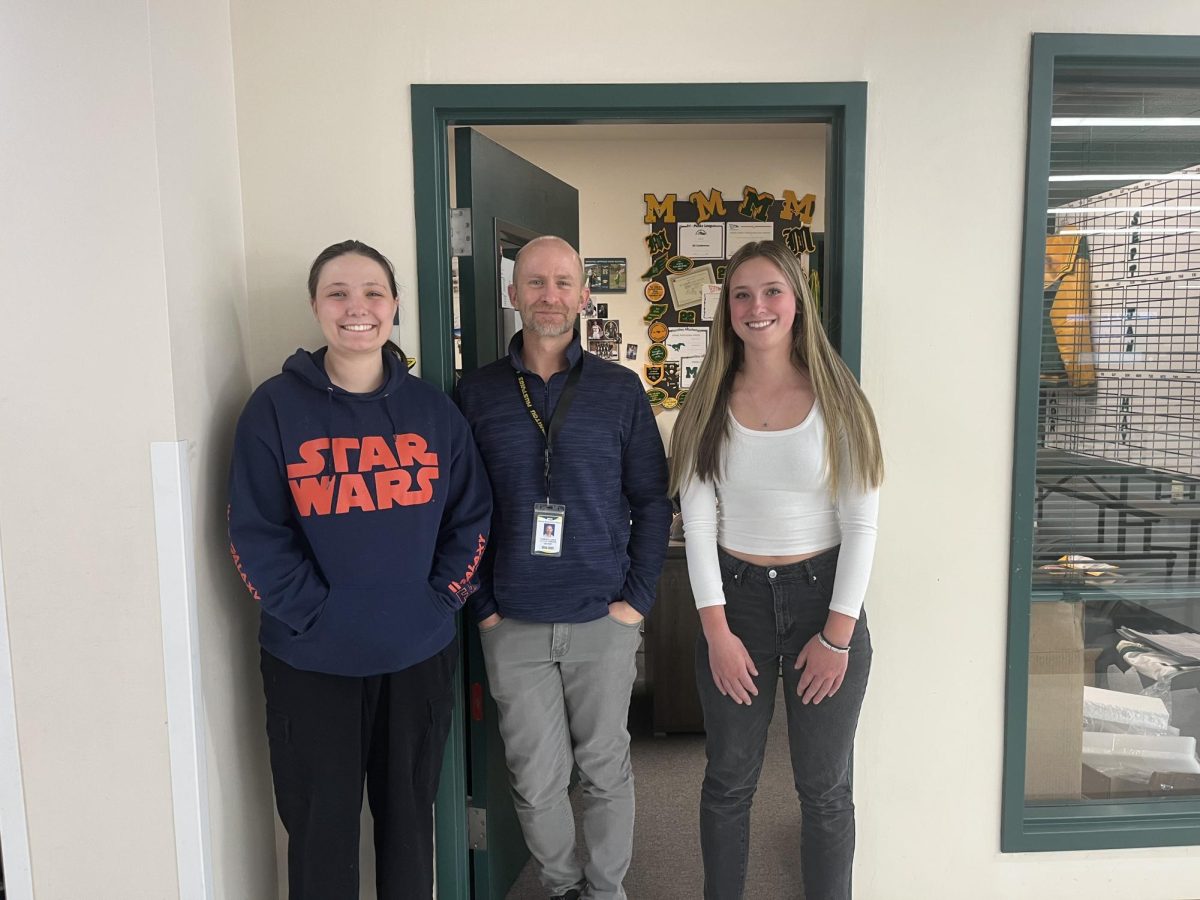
(1098, 786)
(1174, 783)
(1090, 655)
(1054, 744)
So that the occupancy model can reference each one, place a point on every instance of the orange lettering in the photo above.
(425, 479)
(376, 454)
(314, 462)
(313, 495)
(237, 561)
(353, 493)
(340, 446)
(391, 487)
(412, 448)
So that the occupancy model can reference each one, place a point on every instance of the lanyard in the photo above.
(553, 425)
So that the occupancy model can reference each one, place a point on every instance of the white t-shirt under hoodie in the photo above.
(773, 499)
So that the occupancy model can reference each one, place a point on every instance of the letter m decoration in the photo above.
(799, 240)
(657, 242)
(706, 207)
(755, 205)
(660, 209)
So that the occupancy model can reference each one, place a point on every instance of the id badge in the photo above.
(548, 519)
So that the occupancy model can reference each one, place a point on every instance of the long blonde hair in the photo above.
(701, 431)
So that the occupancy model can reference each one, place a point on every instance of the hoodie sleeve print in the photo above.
(483, 601)
(644, 483)
(466, 518)
(266, 547)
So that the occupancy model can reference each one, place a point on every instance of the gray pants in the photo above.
(563, 694)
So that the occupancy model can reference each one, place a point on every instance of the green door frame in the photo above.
(1079, 826)
(436, 107)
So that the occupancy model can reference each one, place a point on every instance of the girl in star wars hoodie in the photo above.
(358, 516)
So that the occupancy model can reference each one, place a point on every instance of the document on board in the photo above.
(687, 289)
(739, 234)
(685, 343)
(708, 302)
(703, 240)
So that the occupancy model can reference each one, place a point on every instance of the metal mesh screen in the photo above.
(1119, 413)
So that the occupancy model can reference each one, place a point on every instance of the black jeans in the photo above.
(775, 611)
(328, 732)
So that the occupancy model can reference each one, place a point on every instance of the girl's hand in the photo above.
(823, 671)
(732, 668)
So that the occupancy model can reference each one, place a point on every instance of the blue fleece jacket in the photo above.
(358, 521)
(609, 471)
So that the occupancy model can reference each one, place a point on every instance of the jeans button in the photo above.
(771, 573)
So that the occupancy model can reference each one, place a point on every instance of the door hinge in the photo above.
(460, 232)
(477, 827)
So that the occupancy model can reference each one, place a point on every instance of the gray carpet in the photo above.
(666, 839)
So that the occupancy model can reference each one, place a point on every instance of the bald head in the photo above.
(548, 241)
(548, 288)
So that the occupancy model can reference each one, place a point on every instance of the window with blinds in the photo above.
(1113, 701)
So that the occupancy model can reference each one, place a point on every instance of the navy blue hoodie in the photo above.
(358, 521)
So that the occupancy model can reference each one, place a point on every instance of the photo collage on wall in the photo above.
(603, 334)
(689, 245)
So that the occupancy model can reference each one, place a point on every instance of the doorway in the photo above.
(839, 107)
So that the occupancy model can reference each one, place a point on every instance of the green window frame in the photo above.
(1097, 825)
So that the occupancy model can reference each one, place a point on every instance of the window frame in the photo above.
(1151, 822)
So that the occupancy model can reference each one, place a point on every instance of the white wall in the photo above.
(326, 152)
(124, 318)
(204, 265)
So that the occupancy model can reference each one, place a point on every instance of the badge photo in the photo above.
(548, 521)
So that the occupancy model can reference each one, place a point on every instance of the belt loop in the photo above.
(808, 570)
(740, 570)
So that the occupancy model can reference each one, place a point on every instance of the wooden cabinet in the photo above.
(671, 632)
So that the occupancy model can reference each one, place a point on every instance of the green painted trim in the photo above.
(1091, 825)
(1095, 825)
(435, 108)
(450, 825)
(846, 204)
(1037, 174)
(431, 199)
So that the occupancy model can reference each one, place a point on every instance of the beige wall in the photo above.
(124, 324)
(205, 279)
(325, 149)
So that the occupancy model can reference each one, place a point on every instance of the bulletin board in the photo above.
(688, 247)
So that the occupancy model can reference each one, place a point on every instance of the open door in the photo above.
(511, 201)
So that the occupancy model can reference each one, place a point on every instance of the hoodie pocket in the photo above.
(373, 627)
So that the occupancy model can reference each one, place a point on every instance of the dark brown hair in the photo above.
(333, 251)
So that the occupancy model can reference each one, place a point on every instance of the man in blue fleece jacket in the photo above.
(569, 441)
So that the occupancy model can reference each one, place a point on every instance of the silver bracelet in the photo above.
(831, 647)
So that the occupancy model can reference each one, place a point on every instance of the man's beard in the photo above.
(546, 328)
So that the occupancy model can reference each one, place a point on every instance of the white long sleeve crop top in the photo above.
(773, 500)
